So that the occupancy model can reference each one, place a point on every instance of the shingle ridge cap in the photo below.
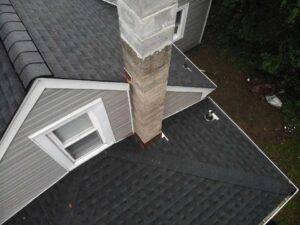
(21, 49)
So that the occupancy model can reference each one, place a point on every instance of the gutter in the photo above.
(278, 209)
(281, 205)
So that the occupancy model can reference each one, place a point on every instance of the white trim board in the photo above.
(205, 21)
(110, 2)
(82, 84)
(130, 109)
(34, 94)
(204, 91)
(55, 148)
(269, 217)
(181, 28)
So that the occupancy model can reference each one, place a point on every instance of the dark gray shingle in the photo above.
(15, 39)
(11, 91)
(130, 185)
(80, 40)
(207, 173)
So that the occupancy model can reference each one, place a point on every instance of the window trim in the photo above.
(181, 28)
(36, 90)
(46, 139)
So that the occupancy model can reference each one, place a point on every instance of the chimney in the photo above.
(147, 28)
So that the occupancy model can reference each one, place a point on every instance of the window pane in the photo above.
(73, 128)
(176, 30)
(178, 17)
(85, 145)
(178, 21)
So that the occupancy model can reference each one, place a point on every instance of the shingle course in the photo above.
(207, 173)
(142, 190)
(80, 40)
(11, 90)
(15, 39)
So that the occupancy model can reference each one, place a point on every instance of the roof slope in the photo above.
(11, 91)
(189, 179)
(80, 39)
(22, 52)
(71, 39)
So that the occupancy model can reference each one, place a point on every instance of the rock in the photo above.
(274, 101)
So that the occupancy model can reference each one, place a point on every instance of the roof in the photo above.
(11, 91)
(199, 176)
(206, 173)
(79, 40)
(70, 40)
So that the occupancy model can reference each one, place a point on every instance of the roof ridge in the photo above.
(20, 47)
(204, 170)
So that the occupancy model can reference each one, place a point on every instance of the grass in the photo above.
(286, 155)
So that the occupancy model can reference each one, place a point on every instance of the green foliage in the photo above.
(292, 112)
(294, 10)
(266, 34)
(286, 156)
(271, 63)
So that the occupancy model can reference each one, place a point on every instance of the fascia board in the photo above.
(187, 89)
(109, 2)
(32, 96)
(83, 84)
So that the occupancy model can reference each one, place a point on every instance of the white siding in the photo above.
(178, 101)
(195, 23)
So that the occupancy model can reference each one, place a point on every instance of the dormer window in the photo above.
(180, 22)
(77, 137)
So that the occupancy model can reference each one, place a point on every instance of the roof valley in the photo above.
(204, 170)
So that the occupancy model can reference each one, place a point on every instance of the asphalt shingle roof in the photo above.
(70, 39)
(80, 39)
(171, 182)
(207, 173)
(11, 90)
(22, 52)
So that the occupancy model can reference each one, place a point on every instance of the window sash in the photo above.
(180, 22)
(53, 146)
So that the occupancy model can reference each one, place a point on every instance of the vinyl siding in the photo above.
(195, 23)
(25, 170)
(178, 101)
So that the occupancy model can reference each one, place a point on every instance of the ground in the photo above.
(261, 121)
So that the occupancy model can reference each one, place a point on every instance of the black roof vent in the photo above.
(211, 116)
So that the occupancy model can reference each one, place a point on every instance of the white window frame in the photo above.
(181, 28)
(48, 142)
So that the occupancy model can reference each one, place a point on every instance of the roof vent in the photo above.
(186, 66)
(211, 116)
